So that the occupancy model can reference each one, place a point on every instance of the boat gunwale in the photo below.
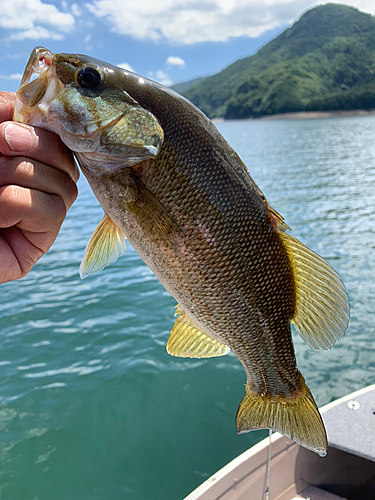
(276, 439)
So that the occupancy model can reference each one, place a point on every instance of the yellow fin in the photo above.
(186, 341)
(152, 215)
(279, 219)
(105, 246)
(297, 417)
(322, 307)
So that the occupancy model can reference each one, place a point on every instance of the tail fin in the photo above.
(297, 417)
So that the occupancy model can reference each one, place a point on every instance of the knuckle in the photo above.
(58, 208)
(72, 193)
(12, 167)
(27, 167)
(11, 199)
(10, 194)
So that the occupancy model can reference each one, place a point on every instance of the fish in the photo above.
(171, 184)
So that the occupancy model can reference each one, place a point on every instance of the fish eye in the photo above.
(88, 78)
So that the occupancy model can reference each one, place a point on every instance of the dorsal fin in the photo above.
(105, 246)
(322, 307)
(186, 341)
(277, 218)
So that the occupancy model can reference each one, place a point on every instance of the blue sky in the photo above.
(166, 40)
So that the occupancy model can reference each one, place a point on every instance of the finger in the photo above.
(7, 101)
(31, 211)
(39, 144)
(32, 174)
(18, 254)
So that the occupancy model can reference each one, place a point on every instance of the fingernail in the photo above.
(19, 137)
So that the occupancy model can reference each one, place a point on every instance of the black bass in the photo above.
(170, 183)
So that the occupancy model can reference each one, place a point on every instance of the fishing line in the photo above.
(268, 468)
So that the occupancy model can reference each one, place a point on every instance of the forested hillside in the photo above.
(325, 61)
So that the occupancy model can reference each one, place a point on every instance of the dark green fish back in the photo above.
(231, 272)
(169, 182)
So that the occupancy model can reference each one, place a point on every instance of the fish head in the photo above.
(85, 102)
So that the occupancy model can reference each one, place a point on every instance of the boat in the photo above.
(346, 472)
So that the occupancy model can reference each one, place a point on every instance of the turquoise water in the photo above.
(91, 405)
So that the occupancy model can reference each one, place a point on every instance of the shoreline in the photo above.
(305, 115)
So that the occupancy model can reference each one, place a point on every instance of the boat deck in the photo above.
(347, 472)
(313, 493)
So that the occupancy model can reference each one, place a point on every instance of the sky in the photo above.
(169, 41)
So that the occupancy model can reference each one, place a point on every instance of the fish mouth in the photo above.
(39, 86)
(103, 125)
(39, 61)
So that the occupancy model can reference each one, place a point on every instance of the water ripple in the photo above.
(88, 391)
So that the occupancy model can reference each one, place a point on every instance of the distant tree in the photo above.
(325, 60)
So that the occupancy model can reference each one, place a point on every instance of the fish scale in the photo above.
(239, 333)
(170, 183)
(236, 259)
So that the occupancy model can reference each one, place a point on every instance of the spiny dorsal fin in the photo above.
(186, 341)
(322, 308)
(278, 219)
(105, 246)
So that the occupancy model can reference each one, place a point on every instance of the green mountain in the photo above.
(180, 87)
(324, 61)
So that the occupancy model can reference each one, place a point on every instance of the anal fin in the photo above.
(186, 341)
(105, 246)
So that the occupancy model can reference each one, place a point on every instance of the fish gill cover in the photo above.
(170, 183)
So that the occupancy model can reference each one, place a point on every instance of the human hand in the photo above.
(38, 179)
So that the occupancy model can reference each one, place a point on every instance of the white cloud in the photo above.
(36, 34)
(191, 21)
(32, 18)
(175, 61)
(126, 66)
(76, 10)
(161, 77)
(15, 76)
(364, 5)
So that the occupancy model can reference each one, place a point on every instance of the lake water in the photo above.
(91, 405)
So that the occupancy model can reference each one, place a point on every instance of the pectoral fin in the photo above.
(151, 214)
(186, 341)
(322, 308)
(105, 246)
